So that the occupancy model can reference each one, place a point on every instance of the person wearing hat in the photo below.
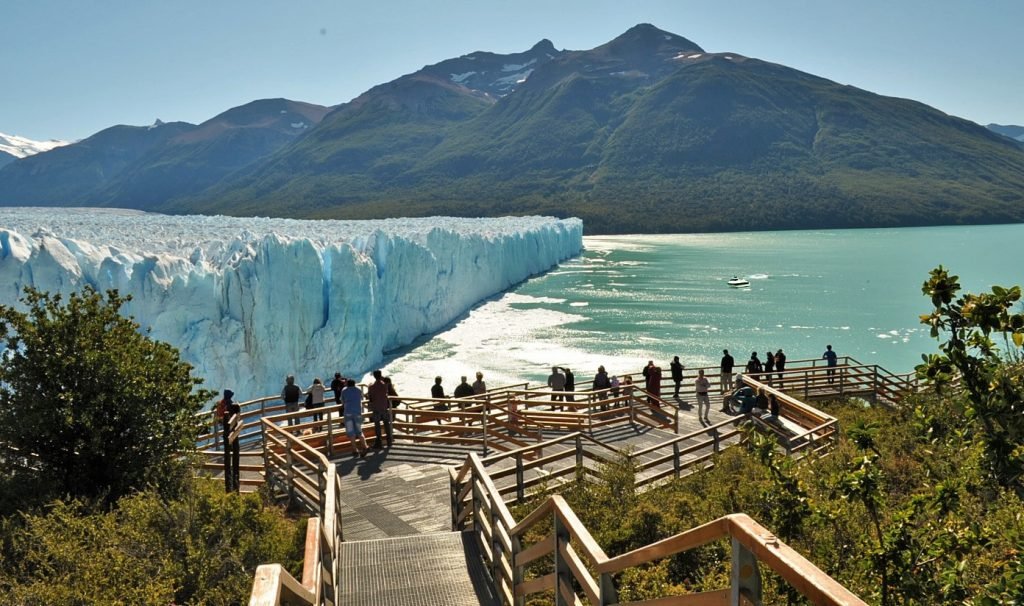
(230, 420)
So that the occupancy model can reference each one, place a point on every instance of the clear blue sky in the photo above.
(70, 68)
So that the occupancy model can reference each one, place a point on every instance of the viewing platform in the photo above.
(439, 496)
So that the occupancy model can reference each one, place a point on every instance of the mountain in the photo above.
(1009, 130)
(71, 175)
(647, 133)
(13, 147)
(143, 167)
(200, 157)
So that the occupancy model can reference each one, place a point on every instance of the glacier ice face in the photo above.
(250, 300)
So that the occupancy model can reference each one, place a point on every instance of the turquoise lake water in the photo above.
(628, 299)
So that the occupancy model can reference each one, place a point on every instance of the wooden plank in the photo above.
(712, 531)
(539, 549)
(544, 583)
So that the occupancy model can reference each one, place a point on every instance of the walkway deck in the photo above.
(443, 569)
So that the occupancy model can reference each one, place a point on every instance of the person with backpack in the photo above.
(291, 394)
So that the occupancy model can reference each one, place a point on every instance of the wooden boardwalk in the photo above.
(384, 533)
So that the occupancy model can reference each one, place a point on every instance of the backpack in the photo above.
(220, 409)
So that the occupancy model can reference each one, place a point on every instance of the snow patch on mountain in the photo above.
(22, 147)
(250, 300)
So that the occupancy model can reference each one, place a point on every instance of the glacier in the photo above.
(248, 301)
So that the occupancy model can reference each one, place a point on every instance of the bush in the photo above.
(201, 549)
(90, 407)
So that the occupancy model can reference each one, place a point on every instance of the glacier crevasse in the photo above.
(250, 300)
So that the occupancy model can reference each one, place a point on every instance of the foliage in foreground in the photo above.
(202, 548)
(90, 407)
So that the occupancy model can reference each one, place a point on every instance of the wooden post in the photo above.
(483, 422)
(562, 572)
(290, 474)
(520, 490)
(675, 458)
(579, 452)
(746, 578)
(495, 547)
(321, 485)
(330, 434)
(714, 438)
(517, 571)
(453, 488)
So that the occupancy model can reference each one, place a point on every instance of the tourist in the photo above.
(479, 387)
(676, 368)
(614, 385)
(701, 385)
(352, 413)
(290, 394)
(769, 366)
(742, 398)
(653, 385)
(601, 383)
(336, 386)
(627, 389)
(832, 360)
(780, 363)
(437, 392)
(380, 409)
(725, 379)
(761, 400)
(647, 369)
(556, 383)
(773, 408)
(570, 385)
(754, 367)
(463, 389)
(231, 420)
(315, 400)
(392, 394)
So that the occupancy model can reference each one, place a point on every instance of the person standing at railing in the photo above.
(570, 385)
(352, 414)
(725, 379)
(479, 387)
(653, 385)
(316, 401)
(769, 366)
(463, 389)
(601, 383)
(556, 383)
(437, 392)
(380, 408)
(291, 394)
(336, 386)
(676, 367)
(754, 367)
(701, 385)
(832, 360)
(231, 423)
(780, 363)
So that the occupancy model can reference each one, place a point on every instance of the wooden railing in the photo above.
(570, 558)
(310, 478)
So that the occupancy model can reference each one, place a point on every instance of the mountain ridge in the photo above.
(648, 132)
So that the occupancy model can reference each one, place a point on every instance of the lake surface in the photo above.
(629, 299)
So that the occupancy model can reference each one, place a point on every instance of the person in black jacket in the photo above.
(725, 379)
(677, 374)
(231, 420)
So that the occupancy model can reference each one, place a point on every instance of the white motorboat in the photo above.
(737, 282)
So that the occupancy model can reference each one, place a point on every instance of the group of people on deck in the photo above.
(381, 398)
